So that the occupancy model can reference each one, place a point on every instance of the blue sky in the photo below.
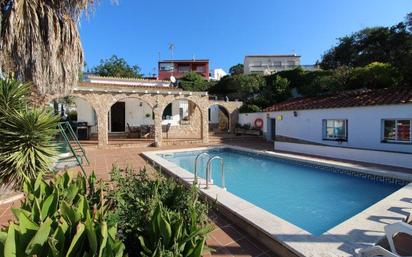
(226, 30)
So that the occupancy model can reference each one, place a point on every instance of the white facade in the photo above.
(86, 114)
(364, 125)
(218, 74)
(180, 110)
(268, 64)
(214, 114)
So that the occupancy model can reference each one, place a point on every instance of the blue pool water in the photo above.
(312, 198)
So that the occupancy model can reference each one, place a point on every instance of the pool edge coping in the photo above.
(287, 234)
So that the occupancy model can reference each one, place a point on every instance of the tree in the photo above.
(375, 75)
(392, 45)
(116, 67)
(192, 81)
(242, 87)
(237, 69)
(40, 42)
(277, 89)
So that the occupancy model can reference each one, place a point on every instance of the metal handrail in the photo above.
(209, 171)
(76, 140)
(195, 172)
(66, 138)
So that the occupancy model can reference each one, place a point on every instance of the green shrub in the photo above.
(246, 108)
(168, 234)
(138, 201)
(66, 217)
(25, 135)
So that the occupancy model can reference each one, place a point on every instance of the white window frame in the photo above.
(325, 128)
(166, 66)
(384, 140)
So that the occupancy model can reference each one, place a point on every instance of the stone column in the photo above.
(102, 123)
(158, 126)
(205, 125)
(234, 118)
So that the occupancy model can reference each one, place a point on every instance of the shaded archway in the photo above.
(219, 119)
(81, 116)
(130, 118)
(182, 119)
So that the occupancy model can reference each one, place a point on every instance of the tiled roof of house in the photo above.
(354, 98)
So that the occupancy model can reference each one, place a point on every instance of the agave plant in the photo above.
(169, 235)
(60, 219)
(26, 135)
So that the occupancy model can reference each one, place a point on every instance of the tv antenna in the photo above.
(171, 49)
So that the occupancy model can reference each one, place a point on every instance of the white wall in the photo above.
(85, 112)
(136, 114)
(371, 156)
(174, 120)
(364, 125)
(249, 118)
(214, 114)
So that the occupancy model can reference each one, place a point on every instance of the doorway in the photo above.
(271, 129)
(117, 115)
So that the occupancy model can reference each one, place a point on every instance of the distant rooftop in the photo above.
(353, 98)
(186, 60)
(273, 55)
(128, 82)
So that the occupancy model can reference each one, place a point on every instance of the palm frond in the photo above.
(40, 42)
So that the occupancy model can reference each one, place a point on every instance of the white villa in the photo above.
(363, 125)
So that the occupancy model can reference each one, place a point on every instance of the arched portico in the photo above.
(101, 99)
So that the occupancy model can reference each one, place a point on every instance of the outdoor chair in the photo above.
(133, 131)
(391, 232)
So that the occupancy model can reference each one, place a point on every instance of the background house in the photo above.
(378, 122)
(268, 64)
(178, 68)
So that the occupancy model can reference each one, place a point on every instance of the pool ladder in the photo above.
(209, 170)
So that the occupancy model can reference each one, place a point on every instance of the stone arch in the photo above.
(191, 120)
(120, 97)
(233, 110)
(133, 118)
(80, 109)
(223, 110)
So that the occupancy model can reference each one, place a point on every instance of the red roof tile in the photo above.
(354, 98)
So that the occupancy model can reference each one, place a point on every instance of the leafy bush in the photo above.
(157, 216)
(65, 217)
(249, 108)
(375, 75)
(25, 135)
(193, 81)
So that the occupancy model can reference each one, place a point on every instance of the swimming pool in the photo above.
(313, 197)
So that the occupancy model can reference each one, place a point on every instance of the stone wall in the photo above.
(190, 128)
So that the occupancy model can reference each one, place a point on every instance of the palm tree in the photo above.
(40, 42)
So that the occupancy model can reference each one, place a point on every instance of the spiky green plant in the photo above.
(61, 218)
(26, 135)
(12, 95)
